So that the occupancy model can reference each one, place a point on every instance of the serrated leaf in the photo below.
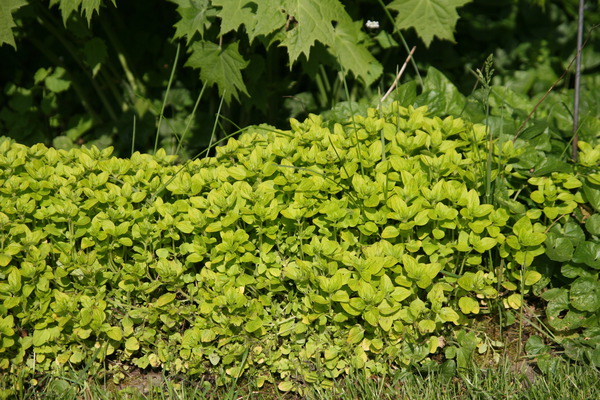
(7, 7)
(588, 253)
(234, 13)
(88, 7)
(269, 18)
(196, 17)
(221, 66)
(310, 21)
(430, 18)
(441, 96)
(352, 55)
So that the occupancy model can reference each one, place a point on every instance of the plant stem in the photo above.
(577, 80)
(164, 103)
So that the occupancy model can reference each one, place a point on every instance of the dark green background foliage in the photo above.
(97, 77)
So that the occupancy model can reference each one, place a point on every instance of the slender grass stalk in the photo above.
(391, 89)
(164, 103)
(212, 135)
(577, 81)
(190, 119)
(134, 132)
(560, 78)
(382, 136)
(232, 391)
(205, 151)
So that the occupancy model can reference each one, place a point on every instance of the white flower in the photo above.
(372, 24)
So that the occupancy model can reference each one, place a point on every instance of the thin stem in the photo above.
(554, 84)
(391, 89)
(212, 135)
(191, 118)
(577, 81)
(164, 103)
(134, 131)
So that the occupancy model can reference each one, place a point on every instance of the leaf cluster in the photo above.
(299, 255)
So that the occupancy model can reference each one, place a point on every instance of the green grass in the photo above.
(568, 381)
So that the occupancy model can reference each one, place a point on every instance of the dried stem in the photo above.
(399, 75)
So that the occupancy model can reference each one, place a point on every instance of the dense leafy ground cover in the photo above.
(296, 256)
(384, 240)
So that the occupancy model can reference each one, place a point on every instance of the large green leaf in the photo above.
(585, 294)
(220, 65)
(310, 21)
(429, 17)
(558, 248)
(352, 55)
(7, 7)
(196, 17)
(235, 13)
(269, 17)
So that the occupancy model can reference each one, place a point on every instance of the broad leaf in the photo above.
(196, 17)
(310, 21)
(7, 7)
(352, 55)
(235, 13)
(219, 65)
(269, 18)
(585, 294)
(429, 17)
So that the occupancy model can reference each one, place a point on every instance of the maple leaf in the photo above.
(429, 17)
(220, 65)
(352, 55)
(310, 21)
(196, 16)
(7, 22)
(235, 13)
(269, 18)
(88, 7)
